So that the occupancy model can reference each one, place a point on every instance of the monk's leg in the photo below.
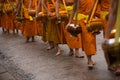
(51, 45)
(58, 50)
(33, 39)
(90, 61)
(8, 31)
(13, 31)
(3, 29)
(17, 31)
(27, 39)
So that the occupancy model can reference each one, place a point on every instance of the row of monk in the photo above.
(52, 19)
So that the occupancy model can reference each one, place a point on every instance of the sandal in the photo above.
(91, 64)
(50, 47)
(79, 56)
(58, 53)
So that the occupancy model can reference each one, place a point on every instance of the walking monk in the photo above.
(9, 14)
(73, 42)
(88, 39)
(54, 30)
(29, 28)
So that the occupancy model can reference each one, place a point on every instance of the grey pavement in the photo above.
(4, 74)
(31, 61)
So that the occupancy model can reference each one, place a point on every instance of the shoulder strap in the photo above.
(76, 15)
(93, 9)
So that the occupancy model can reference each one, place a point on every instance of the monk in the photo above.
(53, 29)
(46, 27)
(9, 12)
(29, 28)
(88, 39)
(38, 22)
(73, 42)
(62, 18)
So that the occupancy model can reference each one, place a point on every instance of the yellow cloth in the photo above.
(103, 14)
(30, 17)
(69, 9)
(81, 17)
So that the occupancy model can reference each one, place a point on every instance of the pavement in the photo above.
(31, 61)
(4, 74)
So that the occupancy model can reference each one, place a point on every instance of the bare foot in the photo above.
(77, 55)
(58, 53)
(50, 47)
(91, 64)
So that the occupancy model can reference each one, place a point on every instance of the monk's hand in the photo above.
(66, 27)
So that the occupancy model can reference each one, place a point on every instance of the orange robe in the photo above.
(29, 27)
(73, 42)
(105, 4)
(4, 17)
(84, 8)
(10, 22)
(39, 27)
(3, 20)
(19, 25)
(39, 23)
(88, 39)
(10, 19)
(54, 31)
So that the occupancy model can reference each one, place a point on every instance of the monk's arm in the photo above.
(112, 18)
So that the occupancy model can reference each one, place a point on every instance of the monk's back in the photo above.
(105, 4)
(85, 6)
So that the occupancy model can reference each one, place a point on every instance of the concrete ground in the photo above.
(31, 61)
(4, 74)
